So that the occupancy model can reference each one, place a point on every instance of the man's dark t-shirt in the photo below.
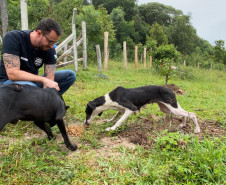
(18, 43)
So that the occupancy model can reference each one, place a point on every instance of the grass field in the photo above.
(148, 148)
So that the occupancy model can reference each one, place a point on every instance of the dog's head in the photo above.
(168, 96)
(91, 113)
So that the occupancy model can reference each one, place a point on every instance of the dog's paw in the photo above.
(182, 125)
(110, 128)
(72, 147)
(197, 130)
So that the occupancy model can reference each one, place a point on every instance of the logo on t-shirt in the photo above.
(38, 61)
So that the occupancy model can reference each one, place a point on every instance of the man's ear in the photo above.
(92, 105)
(39, 32)
(100, 113)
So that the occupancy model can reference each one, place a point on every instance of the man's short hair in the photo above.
(46, 25)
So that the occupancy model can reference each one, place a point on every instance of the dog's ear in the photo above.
(92, 105)
(100, 114)
(67, 107)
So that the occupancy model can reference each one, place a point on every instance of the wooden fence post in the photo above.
(106, 51)
(65, 49)
(136, 57)
(124, 55)
(151, 58)
(150, 61)
(99, 64)
(84, 45)
(24, 14)
(145, 55)
(74, 40)
(184, 62)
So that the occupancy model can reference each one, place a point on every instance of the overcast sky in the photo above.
(208, 17)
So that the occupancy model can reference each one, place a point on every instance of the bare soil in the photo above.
(141, 133)
(144, 131)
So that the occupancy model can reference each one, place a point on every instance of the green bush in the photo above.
(185, 73)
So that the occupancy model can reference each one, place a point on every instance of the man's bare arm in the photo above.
(12, 66)
(11, 62)
(50, 70)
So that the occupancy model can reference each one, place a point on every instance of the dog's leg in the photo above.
(4, 120)
(2, 125)
(45, 128)
(119, 122)
(114, 117)
(180, 112)
(61, 126)
(183, 124)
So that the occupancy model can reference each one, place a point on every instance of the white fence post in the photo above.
(84, 45)
(106, 54)
(24, 17)
(65, 50)
(124, 55)
(74, 40)
(99, 63)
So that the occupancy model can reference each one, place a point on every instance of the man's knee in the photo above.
(71, 75)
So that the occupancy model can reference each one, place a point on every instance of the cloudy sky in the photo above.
(208, 17)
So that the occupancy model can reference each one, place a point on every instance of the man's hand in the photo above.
(51, 84)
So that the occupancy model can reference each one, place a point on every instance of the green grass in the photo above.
(175, 158)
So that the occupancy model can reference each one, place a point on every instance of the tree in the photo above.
(122, 28)
(156, 12)
(14, 15)
(4, 16)
(36, 11)
(157, 33)
(141, 29)
(182, 34)
(63, 12)
(128, 6)
(164, 56)
(97, 22)
(219, 52)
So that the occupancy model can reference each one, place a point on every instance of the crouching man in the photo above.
(24, 52)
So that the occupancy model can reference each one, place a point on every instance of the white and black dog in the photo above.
(128, 101)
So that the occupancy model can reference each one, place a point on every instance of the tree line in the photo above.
(148, 25)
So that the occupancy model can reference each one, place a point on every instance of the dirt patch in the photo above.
(144, 132)
(109, 144)
(75, 130)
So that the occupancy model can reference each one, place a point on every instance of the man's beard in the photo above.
(42, 47)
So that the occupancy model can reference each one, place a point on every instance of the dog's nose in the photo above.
(86, 124)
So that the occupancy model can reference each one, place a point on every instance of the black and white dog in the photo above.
(128, 101)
